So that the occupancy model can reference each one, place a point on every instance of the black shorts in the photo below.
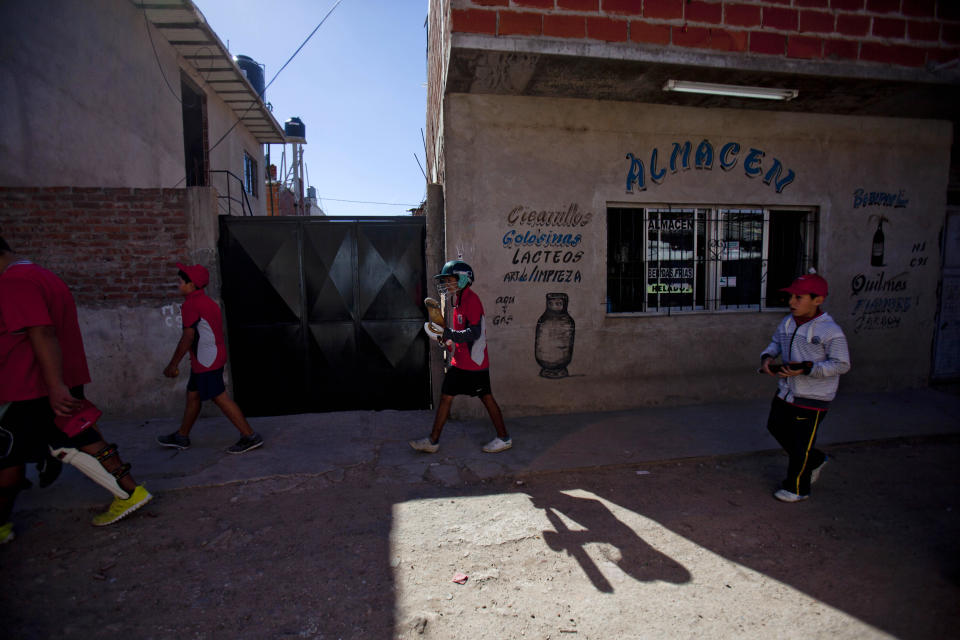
(209, 384)
(27, 431)
(460, 382)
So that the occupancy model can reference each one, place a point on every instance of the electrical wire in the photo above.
(315, 29)
(389, 204)
(156, 57)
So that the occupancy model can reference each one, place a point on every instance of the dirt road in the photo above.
(693, 548)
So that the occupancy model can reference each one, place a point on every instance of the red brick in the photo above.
(919, 8)
(696, 11)
(770, 43)
(643, 32)
(940, 56)
(663, 9)
(847, 5)
(473, 21)
(607, 29)
(892, 54)
(564, 26)
(804, 47)
(813, 3)
(889, 27)
(741, 15)
(922, 30)
(685, 36)
(850, 25)
(579, 5)
(948, 10)
(950, 34)
(492, 3)
(534, 4)
(516, 23)
(816, 21)
(884, 6)
(776, 18)
(625, 7)
(724, 40)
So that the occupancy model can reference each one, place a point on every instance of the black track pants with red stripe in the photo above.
(796, 430)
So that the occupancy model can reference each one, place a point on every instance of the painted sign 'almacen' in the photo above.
(703, 158)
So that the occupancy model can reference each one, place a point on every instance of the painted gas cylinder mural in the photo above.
(545, 247)
(553, 346)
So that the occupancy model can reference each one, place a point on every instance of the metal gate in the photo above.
(946, 352)
(325, 314)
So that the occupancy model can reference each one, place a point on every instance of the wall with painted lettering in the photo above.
(527, 187)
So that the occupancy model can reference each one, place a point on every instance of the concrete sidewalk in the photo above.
(330, 443)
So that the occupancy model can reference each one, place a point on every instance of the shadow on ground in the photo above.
(326, 556)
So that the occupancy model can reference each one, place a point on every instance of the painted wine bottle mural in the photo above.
(876, 251)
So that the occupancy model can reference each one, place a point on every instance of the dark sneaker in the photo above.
(174, 440)
(246, 444)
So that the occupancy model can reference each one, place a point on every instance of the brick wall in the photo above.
(113, 247)
(910, 33)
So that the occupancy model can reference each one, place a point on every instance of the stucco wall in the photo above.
(564, 155)
(86, 102)
(83, 100)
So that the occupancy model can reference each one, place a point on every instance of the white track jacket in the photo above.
(820, 341)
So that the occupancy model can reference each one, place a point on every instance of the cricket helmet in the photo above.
(460, 269)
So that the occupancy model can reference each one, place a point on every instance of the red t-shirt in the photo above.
(209, 349)
(31, 296)
(471, 356)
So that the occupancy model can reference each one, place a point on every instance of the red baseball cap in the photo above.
(197, 273)
(808, 283)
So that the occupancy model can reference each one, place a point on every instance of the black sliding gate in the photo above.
(325, 314)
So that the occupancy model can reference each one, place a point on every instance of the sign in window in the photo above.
(684, 258)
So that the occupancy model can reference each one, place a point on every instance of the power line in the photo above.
(315, 29)
(389, 204)
(156, 57)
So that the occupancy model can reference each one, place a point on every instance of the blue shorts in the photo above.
(209, 384)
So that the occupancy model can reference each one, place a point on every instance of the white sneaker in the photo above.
(497, 445)
(785, 496)
(424, 444)
(815, 474)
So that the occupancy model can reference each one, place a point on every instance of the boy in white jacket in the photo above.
(814, 354)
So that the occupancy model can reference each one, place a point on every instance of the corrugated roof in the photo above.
(187, 31)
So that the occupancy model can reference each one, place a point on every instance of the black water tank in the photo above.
(294, 128)
(254, 72)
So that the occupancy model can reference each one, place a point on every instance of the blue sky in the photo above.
(358, 85)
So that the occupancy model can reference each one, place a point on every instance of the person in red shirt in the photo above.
(203, 338)
(43, 368)
(465, 336)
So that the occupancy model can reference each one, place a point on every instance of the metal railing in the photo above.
(244, 204)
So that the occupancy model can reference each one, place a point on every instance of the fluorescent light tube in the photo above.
(732, 90)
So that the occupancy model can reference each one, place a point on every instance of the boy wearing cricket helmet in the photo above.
(814, 354)
(468, 372)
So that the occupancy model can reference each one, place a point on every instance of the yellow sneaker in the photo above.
(6, 533)
(121, 508)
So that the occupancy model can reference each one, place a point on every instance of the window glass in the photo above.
(250, 174)
(684, 258)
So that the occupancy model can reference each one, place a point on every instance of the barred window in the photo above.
(668, 259)
(250, 175)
